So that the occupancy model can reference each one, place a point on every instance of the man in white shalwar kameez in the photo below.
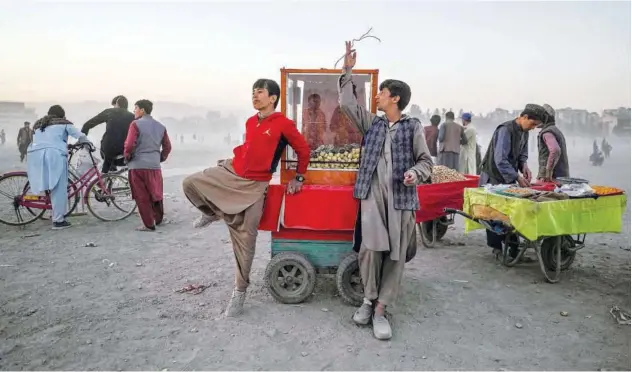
(467, 161)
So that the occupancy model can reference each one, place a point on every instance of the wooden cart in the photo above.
(555, 230)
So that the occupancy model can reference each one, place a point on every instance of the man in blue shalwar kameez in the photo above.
(47, 161)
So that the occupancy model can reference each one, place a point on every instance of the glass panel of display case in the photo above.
(312, 102)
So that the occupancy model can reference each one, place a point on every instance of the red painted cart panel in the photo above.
(333, 208)
(433, 198)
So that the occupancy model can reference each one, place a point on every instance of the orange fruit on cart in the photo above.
(606, 190)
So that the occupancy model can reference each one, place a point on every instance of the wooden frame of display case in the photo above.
(323, 176)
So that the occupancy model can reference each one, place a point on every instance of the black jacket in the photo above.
(519, 141)
(117, 121)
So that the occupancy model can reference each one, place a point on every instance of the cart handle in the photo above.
(485, 223)
(460, 213)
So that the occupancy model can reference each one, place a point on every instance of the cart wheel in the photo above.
(290, 277)
(441, 226)
(348, 280)
(567, 256)
(555, 249)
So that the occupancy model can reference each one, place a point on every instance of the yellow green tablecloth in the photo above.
(562, 217)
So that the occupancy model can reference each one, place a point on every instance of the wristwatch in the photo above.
(300, 178)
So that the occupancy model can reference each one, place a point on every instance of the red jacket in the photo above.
(259, 156)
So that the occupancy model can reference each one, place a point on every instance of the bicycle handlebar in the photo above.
(80, 145)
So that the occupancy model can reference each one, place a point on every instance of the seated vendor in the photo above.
(505, 161)
(314, 122)
(345, 132)
(597, 156)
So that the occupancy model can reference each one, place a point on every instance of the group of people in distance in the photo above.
(453, 145)
(395, 158)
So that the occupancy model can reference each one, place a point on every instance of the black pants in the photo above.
(111, 161)
(108, 165)
(496, 241)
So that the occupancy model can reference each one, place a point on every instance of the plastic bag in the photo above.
(82, 161)
(576, 189)
(492, 188)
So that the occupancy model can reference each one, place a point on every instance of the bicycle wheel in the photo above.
(112, 201)
(72, 203)
(12, 212)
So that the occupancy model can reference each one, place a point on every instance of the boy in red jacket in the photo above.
(235, 190)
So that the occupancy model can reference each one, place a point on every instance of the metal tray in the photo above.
(519, 196)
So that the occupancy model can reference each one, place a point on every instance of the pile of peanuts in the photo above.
(443, 174)
(519, 191)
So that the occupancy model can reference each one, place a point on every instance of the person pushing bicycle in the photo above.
(47, 161)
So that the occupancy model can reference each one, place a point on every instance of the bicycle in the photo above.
(28, 208)
(73, 175)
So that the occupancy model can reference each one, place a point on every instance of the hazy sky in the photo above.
(474, 55)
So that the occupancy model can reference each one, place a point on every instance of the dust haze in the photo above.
(201, 135)
(112, 307)
(100, 296)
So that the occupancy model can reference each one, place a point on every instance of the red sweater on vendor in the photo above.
(259, 156)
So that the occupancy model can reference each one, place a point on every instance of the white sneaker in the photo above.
(381, 328)
(204, 221)
(236, 304)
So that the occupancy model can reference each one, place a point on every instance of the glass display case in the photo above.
(310, 99)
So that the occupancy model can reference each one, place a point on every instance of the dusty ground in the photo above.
(112, 307)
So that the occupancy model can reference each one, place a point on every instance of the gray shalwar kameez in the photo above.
(386, 232)
(449, 159)
(220, 193)
(451, 136)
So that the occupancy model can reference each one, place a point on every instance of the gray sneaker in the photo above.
(236, 304)
(363, 315)
(204, 221)
(381, 328)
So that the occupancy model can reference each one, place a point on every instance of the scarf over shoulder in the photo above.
(48, 120)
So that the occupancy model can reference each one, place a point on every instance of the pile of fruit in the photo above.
(605, 190)
(331, 157)
(443, 174)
